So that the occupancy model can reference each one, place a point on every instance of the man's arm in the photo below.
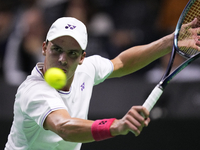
(80, 130)
(138, 57)
(70, 129)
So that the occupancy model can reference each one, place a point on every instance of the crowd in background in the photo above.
(113, 26)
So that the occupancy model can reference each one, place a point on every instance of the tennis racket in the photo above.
(184, 44)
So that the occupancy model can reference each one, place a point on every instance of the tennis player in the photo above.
(45, 118)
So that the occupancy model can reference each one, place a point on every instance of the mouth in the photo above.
(65, 71)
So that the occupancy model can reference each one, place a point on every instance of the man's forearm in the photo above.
(138, 57)
(76, 130)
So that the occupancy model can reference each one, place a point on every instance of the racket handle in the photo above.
(153, 98)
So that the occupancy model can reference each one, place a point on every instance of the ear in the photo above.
(44, 48)
(82, 58)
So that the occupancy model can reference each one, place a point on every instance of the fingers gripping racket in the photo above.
(185, 44)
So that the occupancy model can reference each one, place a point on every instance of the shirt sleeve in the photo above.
(103, 67)
(39, 101)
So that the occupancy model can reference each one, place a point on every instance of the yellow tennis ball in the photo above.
(56, 78)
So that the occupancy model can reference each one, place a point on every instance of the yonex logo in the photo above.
(83, 86)
(102, 122)
(70, 27)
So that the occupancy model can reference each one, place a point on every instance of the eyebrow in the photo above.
(56, 45)
(69, 50)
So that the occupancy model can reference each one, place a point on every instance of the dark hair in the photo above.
(47, 42)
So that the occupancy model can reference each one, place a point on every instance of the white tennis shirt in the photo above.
(35, 99)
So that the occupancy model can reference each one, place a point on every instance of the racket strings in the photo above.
(189, 50)
(194, 12)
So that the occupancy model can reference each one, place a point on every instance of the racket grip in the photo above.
(153, 98)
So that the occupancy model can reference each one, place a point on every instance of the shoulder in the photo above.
(34, 87)
(97, 61)
(97, 67)
(95, 58)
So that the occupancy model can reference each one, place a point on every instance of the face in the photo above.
(63, 52)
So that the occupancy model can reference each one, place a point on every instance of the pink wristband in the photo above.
(101, 129)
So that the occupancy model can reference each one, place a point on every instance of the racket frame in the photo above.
(167, 77)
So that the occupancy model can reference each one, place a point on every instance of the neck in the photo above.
(68, 85)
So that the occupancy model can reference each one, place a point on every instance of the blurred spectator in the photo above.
(169, 14)
(7, 10)
(23, 49)
(31, 20)
(134, 24)
(52, 9)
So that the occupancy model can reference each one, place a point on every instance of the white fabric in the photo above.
(68, 26)
(35, 100)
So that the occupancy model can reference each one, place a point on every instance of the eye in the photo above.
(73, 53)
(57, 49)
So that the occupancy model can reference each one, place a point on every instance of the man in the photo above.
(45, 118)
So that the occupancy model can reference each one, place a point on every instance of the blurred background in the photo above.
(113, 26)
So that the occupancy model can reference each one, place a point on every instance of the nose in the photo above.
(62, 59)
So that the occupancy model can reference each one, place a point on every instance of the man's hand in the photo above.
(189, 35)
(133, 121)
